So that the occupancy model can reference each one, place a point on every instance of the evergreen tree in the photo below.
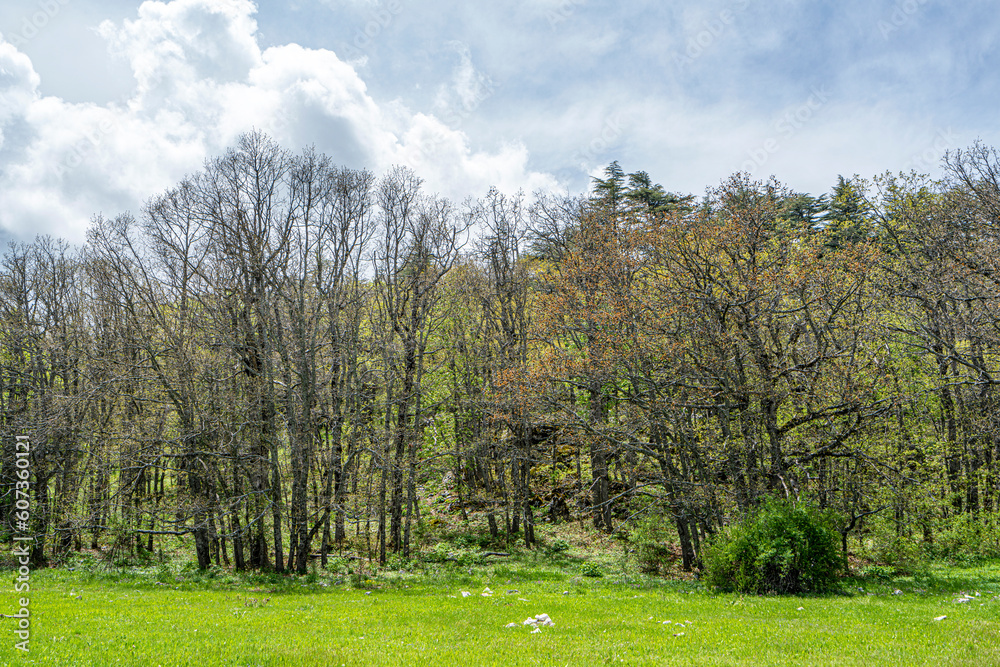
(848, 219)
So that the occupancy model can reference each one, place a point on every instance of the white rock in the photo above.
(466, 594)
(536, 630)
(801, 609)
(530, 621)
(940, 618)
(511, 625)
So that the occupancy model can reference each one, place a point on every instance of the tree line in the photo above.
(280, 356)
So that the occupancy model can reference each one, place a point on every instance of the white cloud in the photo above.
(201, 79)
(173, 47)
(18, 84)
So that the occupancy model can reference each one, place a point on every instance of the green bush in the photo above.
(967, 540)
(782, 548)
(651, 539)
(589, 569)
(904, 555)
(558, 546)
(447, 552)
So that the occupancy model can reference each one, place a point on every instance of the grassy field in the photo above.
(162, 617)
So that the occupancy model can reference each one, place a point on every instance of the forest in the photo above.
(282, 359)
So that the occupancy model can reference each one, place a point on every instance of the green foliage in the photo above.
(591, 569)
(453, 552)
(650, 538)
(904, 555)
(558, 546)
(782, 548)
(877, 572)
(966, 539)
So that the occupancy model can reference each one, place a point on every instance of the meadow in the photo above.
(161, 615)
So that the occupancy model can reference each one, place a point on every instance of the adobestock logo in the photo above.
(378, 21)
(609, 136)
(32, 25)
(712, 30)
(787, 126)
(929, 157)
(901, 14)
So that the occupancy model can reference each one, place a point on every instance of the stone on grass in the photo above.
(466, 594)
(536, 621)
(940, 618)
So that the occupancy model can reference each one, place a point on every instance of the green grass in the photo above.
(131, 618)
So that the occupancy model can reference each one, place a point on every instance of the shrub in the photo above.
(447, 552)
(651, 539)
(589, 569)
(558, 546)
(902, 554)
(967, 540)
(782, 548)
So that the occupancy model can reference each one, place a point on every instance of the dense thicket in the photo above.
(281, 355)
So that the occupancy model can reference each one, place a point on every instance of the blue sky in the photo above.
(104, 103)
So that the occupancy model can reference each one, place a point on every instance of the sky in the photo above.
(107, 103)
